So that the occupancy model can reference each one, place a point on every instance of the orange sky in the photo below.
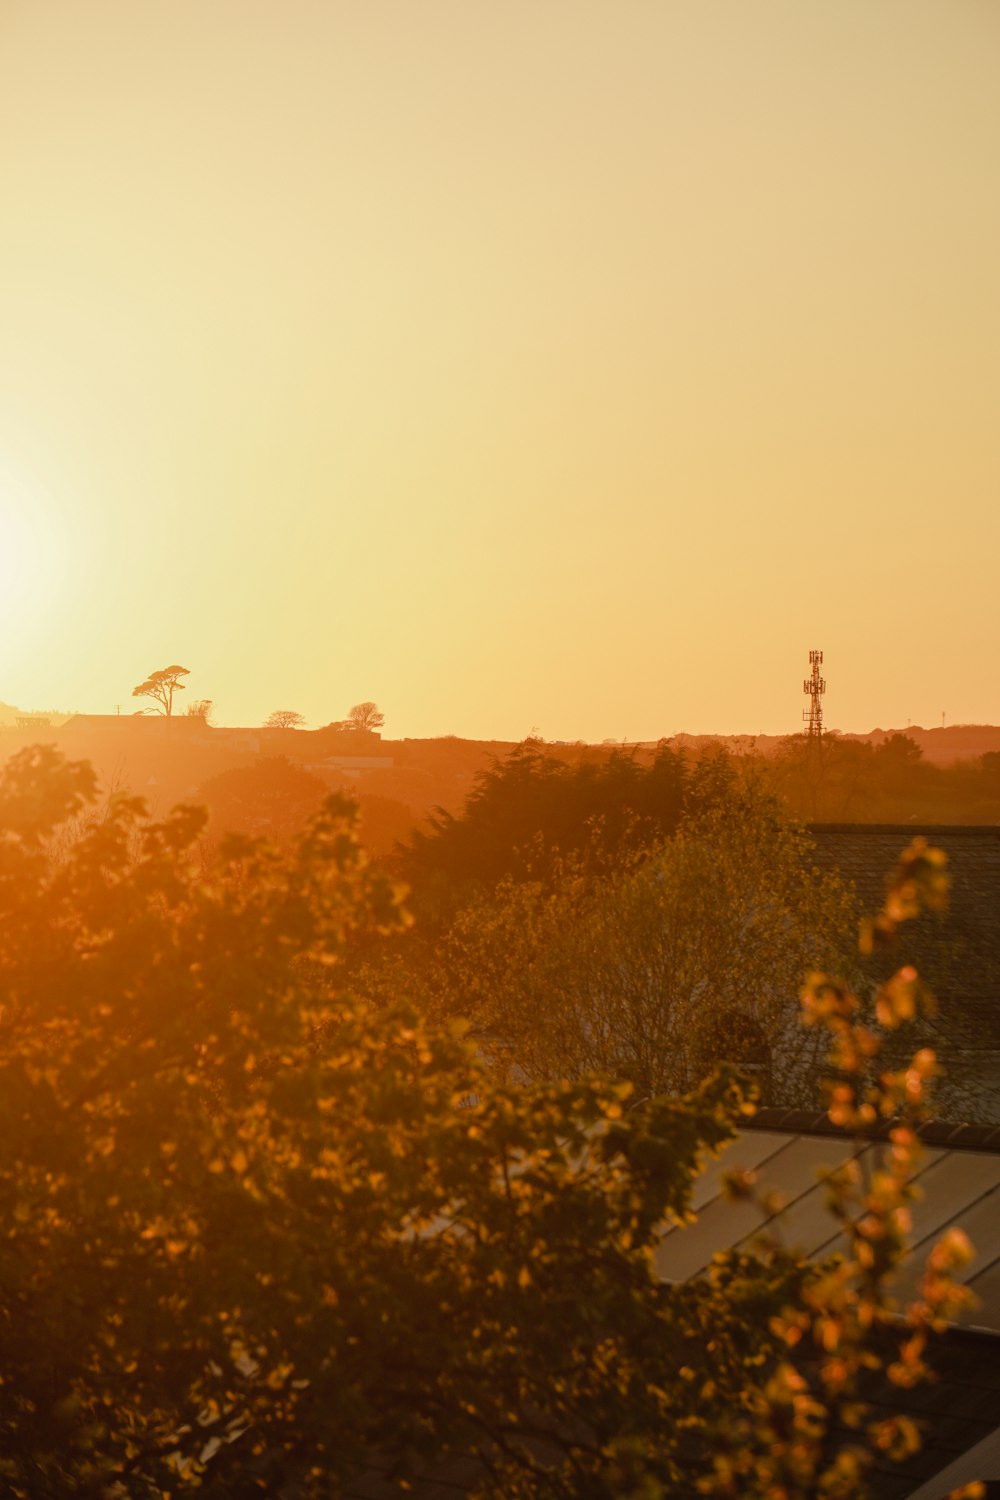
(540, 364)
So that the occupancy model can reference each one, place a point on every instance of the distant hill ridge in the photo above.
(943, 746)
(9, 714)
(400, 782)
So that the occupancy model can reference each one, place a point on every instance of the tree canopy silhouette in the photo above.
(532, 805)
(284, 718)
(161, 687)
(367, 716)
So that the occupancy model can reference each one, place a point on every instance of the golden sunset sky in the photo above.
(515, 363)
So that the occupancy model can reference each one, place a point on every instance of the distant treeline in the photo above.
(535, 802)
(532, 806)
(840, 781)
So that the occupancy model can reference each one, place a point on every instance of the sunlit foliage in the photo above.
(654, 967)
(260, 1240)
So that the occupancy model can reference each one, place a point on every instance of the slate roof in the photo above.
(957, 954)
(958, 1412)
(963, 947)
(932, 1132)
(958, 1185)
(959, 1178)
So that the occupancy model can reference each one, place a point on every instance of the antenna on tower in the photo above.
(815, 686)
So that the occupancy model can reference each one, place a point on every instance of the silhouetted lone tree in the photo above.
(161, 686)
(365, 716)
(284, 718)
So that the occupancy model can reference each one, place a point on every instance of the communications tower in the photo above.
(815, 686)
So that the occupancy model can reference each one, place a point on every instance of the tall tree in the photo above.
(161, 687)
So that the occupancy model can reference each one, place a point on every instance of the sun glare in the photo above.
(31, 552)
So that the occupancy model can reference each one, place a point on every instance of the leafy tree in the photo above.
(273, 796)
(842, 780)
(255, 1245)
(201, 708)
(366, 716)
(657, 967)
(530, 808)
(989, 768)
(161, 686)
(284, 718)
(383, 823)
(828, 780)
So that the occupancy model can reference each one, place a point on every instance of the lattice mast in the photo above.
(815, 686)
